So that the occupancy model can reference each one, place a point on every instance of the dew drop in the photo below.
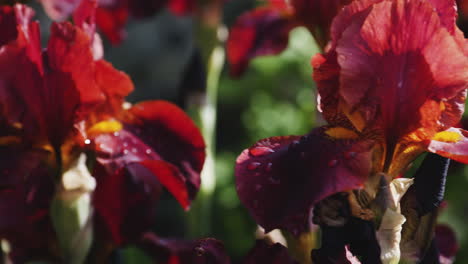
(116, 134)
(253, 165)
(350, 154)
(125, 151)
(260, 151)
(148, 151)
(268, 167)
(87, 141)
(332, 163)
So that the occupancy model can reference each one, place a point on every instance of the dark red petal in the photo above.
(118, 150)
(115, 84)
(125, 201)
(111, 21)
(85, 17)
(182, 7)
(170, 177)
(8, 25)
(446, 241)
(264, 253)
(392, 69)
(26, 190)
(279, 179)
(263, 31)
(176, 251)
(69, 52)
(317, 16)
(59, 10)
(455, 148)
(173, 135)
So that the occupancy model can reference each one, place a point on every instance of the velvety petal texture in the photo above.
(280, 179)
(263, 31)
(395, 68)
(159, 145)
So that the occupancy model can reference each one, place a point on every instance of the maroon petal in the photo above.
(446, 241)
(280, 179)
(7, 24)
(264, 253)
(263, 31)
(172, 135)
(112, 21)
(182, 7)
(317, 16)
(26, 190)
(175, 251)
(125, 201)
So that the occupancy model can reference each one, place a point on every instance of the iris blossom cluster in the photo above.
(265, 30)
(392, 85)
(66, 132)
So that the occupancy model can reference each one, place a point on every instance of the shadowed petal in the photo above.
(176, 251)
(279, 179)
(173, 135)
(263, 31)
(317, 16)
(125, 201)
(264, 253)
(446, 242)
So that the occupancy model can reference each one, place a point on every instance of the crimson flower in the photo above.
(112, 15)
(64, 102)
(391, 86)
(265, 30)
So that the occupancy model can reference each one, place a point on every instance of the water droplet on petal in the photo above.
(268, 167)
(148, 151)
(87, 141)
(116, 134)
(260, 151)
(350, 154)
(332, 163)
(125, 151)
(253, 165)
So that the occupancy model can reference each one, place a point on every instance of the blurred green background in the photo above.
(275, 97)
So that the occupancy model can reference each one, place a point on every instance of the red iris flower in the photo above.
(265, 30)
(391, 85)
(60, 102)
(112, 15)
